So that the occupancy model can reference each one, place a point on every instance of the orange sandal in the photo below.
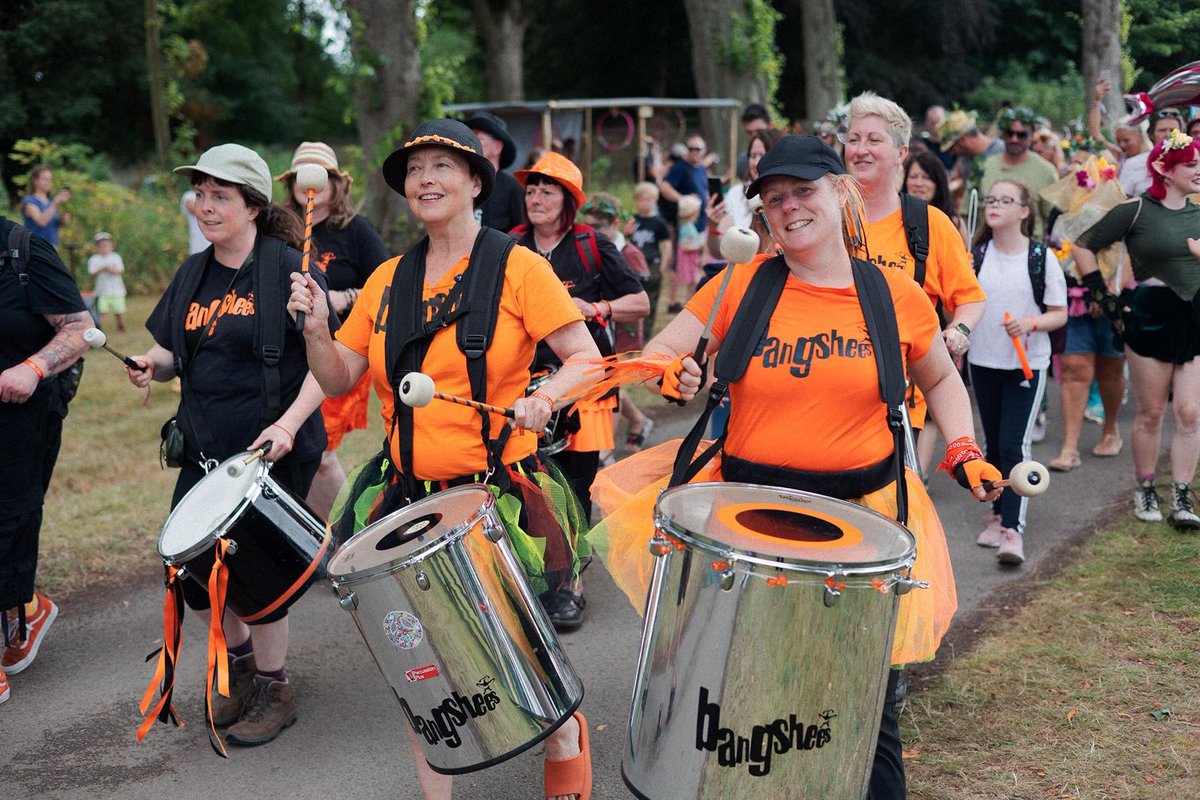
(572, 775)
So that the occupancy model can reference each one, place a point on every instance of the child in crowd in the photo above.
(650, 233)
(107, 266)
(691, 250)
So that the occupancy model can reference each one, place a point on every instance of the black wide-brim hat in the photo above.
(803, 157)
(497, 128)
(452, 135)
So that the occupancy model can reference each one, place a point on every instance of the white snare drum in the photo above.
(766, 644)
(448, 615)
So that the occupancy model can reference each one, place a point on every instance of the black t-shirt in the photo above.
(615, 279)
(648, 233)
(223, 402)
(347, 256)
(505, 207)
(24, 331)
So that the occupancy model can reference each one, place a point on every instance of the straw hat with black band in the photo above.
(452, 135)
(498, 129)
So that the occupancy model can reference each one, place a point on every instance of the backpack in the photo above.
(17, 254)
(914, 216)
(1036, 266)
(585, 244)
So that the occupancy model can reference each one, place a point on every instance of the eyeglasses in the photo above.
(695, 149)
(1017, 134)
(1001, 201)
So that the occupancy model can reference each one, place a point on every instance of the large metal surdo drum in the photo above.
(766, 645)
(277, 545)
(449, 617)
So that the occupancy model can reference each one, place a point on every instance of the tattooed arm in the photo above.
(17, 383)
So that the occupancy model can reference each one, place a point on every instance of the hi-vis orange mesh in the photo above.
(533, 304)
(949, 278)
(810, 398)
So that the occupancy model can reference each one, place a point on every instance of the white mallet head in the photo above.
(416, 390)
(755, 204)
(1029, 479)
(311, 176)
(739, 245)
(95, 338)
(236, 469)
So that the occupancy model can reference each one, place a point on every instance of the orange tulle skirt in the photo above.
(595, 426)
(627, 491)
(346, 413)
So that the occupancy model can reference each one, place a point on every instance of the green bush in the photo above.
(1059, 98)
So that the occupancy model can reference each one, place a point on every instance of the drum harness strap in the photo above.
(270, 317)
(749, 325)
(473, 303)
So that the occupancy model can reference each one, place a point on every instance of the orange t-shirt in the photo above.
(810, 398)
(533, 305)
(949, 278)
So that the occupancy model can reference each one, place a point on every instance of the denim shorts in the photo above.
(1087, 335)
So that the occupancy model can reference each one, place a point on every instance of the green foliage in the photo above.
(75, 157)
(1162, 35)
(751, 46)
(451, 57)
(1059, 98)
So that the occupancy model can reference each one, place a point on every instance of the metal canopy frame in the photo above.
(645, 108)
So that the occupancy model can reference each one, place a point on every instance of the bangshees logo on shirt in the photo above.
(880, 261)
(798, 355)
(198, 316)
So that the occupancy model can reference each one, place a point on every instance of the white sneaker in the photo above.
(1039, 428)
(1145, 502)
(1012, 547)
(990, 536)
(1182, 515)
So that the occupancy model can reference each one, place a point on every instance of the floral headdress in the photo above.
(1020, 114)
(1176, 140)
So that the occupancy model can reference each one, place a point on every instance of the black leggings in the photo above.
(887, 773)
(580, 471)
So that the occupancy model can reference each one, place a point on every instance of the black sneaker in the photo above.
(1182, 516)
(567, 613)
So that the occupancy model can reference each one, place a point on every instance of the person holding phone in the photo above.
(40, 210)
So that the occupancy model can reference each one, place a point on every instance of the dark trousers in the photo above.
(887, 773)
(580, 472)
(1008, 411)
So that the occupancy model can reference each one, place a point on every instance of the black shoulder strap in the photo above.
(475, 331)
(18, 251)
(191, 272)
(978, 253)
(270, 317)
(914, 214)
(737, 348)
(1037, 273)
(879, 313)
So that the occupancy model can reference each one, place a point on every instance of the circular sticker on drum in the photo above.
(806, 528)
(403, 629)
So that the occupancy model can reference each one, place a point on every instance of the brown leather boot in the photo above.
(269, 710)
(226, 710)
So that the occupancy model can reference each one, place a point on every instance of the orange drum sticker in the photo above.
(422, 673)
(773, 522)
(403, 629)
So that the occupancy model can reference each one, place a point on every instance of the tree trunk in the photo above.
(502, 24)
(822, 68)
(387, 94)
(1102, 52)
(158, 83)
(720, 64)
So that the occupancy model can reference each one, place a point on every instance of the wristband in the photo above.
(285, 430)
(545, 398)
(961, 449)
(599, 317)
(29, 363)
(608, 306)
(1034, 321)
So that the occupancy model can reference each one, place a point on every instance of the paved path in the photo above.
(68, 730)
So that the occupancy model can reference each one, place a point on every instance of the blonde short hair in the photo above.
(869, 104)
(645, 189)
(689, 207)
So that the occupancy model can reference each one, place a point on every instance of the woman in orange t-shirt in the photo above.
(815, 372)
(443, 173)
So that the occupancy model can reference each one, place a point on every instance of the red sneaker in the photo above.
(20, 653)
(4, 690)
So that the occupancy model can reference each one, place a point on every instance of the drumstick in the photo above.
(97, 338)
(417, 390)
(310, 178)
(1028, 479)
(1020, 348)
(239, 467)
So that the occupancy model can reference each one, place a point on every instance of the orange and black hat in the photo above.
(454, 136)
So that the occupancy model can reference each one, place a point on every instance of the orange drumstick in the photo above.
(1025, 369)
(310, 178)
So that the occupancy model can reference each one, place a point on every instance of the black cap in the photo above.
(498, 129)
(452, 135)
(803, 157)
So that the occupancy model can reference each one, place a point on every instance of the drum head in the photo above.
(411, 532)
(782, 524)
(208, 507)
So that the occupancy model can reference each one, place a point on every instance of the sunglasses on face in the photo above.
(1016, 134)
(1004, 202)
(695, 149)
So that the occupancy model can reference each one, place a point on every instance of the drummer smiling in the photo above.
(836, 400)
(444, 175)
